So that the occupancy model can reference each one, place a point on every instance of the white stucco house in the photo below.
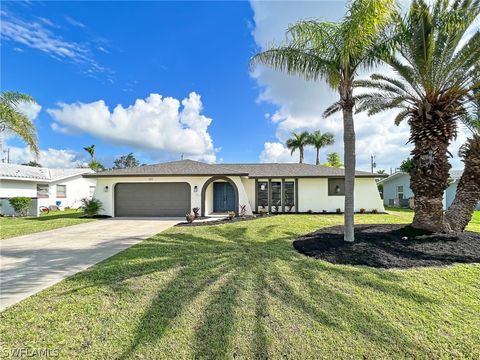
(175, 188)
(397, 192)
(45, 186)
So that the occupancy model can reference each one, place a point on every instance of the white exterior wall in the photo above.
(77, 189)
(108, 197)
(313, 195)
(249, 186)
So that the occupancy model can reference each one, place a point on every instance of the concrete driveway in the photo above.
(31, 263)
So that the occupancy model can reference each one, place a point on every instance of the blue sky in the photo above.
(92, 66)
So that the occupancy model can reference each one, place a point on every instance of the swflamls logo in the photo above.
(31, 352)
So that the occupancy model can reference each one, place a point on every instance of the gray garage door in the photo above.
(159, 199)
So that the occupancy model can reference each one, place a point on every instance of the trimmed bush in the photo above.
(91, 207)
(190, 217)
(231, 215)
(21, 205)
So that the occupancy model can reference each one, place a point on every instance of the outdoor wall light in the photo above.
(195, 189)
(105, 188)
(262, 187)
(337, 189)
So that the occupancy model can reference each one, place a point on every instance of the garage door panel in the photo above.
(152, 199)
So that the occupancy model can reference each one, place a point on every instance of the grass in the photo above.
(240, 291)
(16, 226)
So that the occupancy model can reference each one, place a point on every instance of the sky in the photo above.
(170, 79)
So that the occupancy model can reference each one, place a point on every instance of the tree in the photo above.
(91, 151)
(334, 52)
(319, 140)
(381, 172)
(15, 121)
(434, 62)
(32, 163)
(407, 165)
(298, 142)
(96, 165)
(126, 161)
(468, 188)
(333, 160)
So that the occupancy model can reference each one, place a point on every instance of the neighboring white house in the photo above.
(397, 192)
(175, 188)
(45, 186)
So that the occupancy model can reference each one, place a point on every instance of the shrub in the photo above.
(21, 205)
(310, 211)
(263, 212)
(91, 207)
(374, 211)
(243, 210)
(196, 212)
(190, 217)
(231, 215)
(324, 211)
(362, 211)
(338, 211)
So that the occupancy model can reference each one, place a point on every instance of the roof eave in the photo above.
(157, 175)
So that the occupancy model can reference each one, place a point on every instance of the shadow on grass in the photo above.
(215, 266)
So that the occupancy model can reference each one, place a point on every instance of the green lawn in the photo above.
(15, 226)
(241, 291)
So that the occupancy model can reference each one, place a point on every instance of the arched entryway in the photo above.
(225, 188)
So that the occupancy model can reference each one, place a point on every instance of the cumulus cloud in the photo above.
(276, 152)
(155, 125)
(52, 158)
(31, 110)
(300, 103)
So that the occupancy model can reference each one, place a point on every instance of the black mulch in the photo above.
(222, 221)
(385, 246)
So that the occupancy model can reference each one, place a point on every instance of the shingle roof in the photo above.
(454, 175)
(196, 168)
(14, 171)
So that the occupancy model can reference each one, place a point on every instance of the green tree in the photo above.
(319, 140)
(334, 52)
(32, 163)
(434, 64)
(381, 172)
(15, 121)
(298, 142)
(91, 151)
(334, 160)
(96, 165)
(126, 161)
(407, 165)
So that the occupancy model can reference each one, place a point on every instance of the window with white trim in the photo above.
(42, 191)
(91, 191)
(400, 193)
(61, 191)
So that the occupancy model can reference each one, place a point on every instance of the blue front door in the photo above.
(223, 197)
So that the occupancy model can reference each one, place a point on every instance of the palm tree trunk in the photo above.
(349, 160)
(429, 178)
(318, 158)
(468, 189)
(301, 155)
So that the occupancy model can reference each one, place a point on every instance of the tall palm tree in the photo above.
(91, 151)
(15, 121)
(319, 140)
(434, 67)
(298, 142)
(334, 52)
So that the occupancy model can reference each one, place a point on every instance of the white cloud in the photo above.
(31, 110)
(74, 22)
(38, 34)
(156, 125)
(52, 158)
(301, 103)
(276, 152)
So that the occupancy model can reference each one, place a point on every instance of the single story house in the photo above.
(45, 186)
(397, 192)
(175, 188)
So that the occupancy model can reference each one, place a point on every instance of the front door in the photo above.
(223, 197)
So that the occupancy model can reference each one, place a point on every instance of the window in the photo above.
(277, 195)
(91, 191)
(262, 193)
(289, 195)
(61, 191)
(400, 192)
(336, 187)
(42, 191)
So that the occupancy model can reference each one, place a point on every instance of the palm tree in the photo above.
(334, 52)
(298, 142)
(319, 140)
(91, 151)
(435, 80)
(15, 121)
(468, 189)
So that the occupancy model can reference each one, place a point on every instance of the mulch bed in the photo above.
(390, 246)
(223, 221)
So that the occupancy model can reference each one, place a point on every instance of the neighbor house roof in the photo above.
(196, 168)
(32, 173)
(454, 175)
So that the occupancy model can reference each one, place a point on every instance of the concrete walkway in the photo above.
(31, 263)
